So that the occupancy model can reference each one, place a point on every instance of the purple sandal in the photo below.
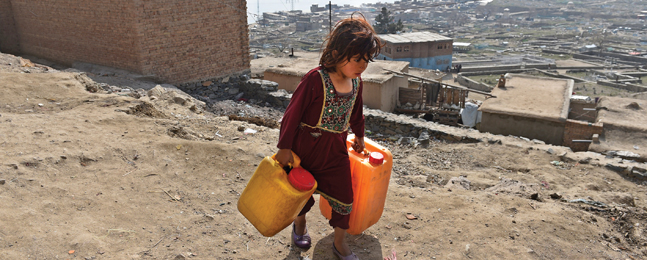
(303, 241)
(352, 256)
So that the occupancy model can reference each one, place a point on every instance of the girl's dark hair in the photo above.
(351, 36)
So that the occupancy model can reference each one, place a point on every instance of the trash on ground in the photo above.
(589, 202)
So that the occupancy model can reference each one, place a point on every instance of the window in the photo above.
(406, 48)
(398, 49)
(440, 46)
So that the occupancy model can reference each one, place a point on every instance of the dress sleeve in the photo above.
(294, 113)
(357, 117)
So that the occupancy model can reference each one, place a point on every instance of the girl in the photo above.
(326, 102)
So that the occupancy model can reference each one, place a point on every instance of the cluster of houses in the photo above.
(408, 78)
(412, 75)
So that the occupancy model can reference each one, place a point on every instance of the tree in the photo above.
(600, 39)
(384, 23)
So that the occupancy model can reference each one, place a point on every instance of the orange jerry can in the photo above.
(371, 172)
(272, 199)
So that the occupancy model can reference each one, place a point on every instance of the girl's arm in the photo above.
(357, 120)
(301, 99)
(284, 157)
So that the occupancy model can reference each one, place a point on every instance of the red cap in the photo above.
(301, 179)
(376, 158)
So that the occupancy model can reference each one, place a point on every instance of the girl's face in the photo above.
(353, 68)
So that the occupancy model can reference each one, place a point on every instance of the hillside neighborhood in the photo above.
(517, 128)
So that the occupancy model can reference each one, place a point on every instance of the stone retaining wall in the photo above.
(629, 87)
(239, 86)
(562, 76)
(397, 126)
(472, 84)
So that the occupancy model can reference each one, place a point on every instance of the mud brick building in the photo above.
(174, 41)
(529, 106)
(421, 49)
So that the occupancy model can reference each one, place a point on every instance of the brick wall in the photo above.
(577, 111)
(66, 31)
(8, 34)
(177, 41)
(580, 130)
(193, 40)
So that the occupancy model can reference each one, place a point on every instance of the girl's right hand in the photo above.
(284, 157)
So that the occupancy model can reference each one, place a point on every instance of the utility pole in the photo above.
(291, 2)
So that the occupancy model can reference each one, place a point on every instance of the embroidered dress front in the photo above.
(315, 127)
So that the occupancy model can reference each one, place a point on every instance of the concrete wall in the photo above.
(376, 96)
(437, 62)
(8, 34)
(495, 67)
(287, 82)
(175, 41)
(626, 57)
(389, 91)
(580, 130)
(372, 96)
(562, 76)
(548, 131)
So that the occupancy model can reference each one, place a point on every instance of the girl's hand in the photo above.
(358, 144)
(284, 157)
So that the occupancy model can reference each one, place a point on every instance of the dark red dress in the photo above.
(315, 127)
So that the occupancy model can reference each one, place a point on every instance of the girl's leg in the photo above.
(340, 223)
(300, 225)
(300, 221)
(340, 242)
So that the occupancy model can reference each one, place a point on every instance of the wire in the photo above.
(244, 11)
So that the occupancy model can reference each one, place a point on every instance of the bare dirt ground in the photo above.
(104, 176)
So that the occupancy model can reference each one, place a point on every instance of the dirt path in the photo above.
(103, 176)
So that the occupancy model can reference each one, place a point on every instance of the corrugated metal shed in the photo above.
(413, 37)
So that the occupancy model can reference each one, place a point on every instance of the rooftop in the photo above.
(373, 73)
(625, 125)
(413, 37)
(623, 112)
(531, 96)
(462, 44)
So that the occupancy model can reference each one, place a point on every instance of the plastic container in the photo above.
(270, 202)
(301, 179)
(371, 172)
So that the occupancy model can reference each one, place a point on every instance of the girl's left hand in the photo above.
(358, 144)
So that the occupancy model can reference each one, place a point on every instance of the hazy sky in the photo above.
(285, 5)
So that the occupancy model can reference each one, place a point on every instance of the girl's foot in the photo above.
(339, 255)
(301, 241)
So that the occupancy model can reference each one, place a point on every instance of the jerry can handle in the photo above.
(365, 152)
(290, 166)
